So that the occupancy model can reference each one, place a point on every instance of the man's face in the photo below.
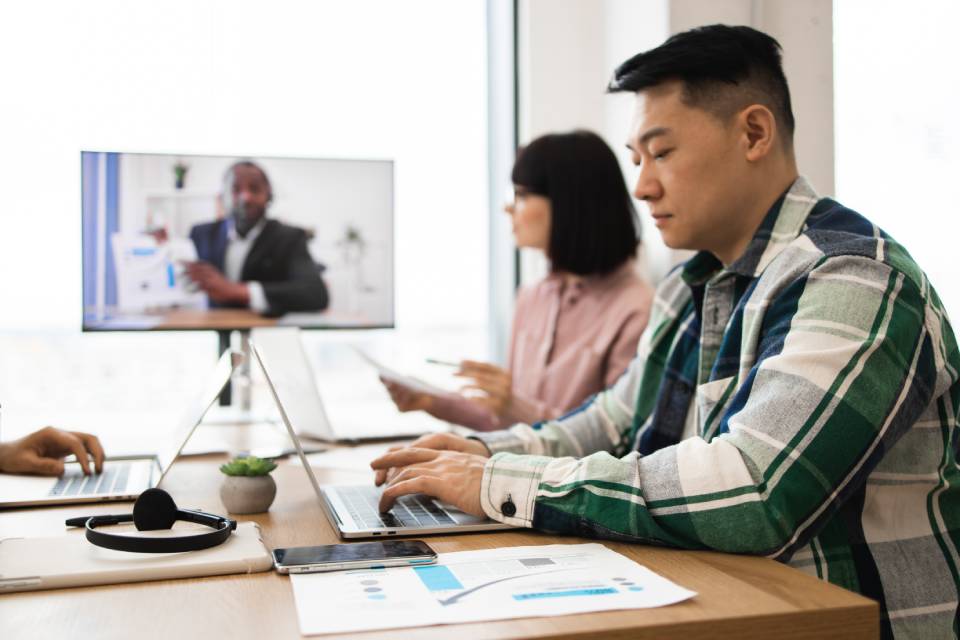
(691, 172)
(247, 195)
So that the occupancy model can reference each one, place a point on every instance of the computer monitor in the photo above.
(322, 253)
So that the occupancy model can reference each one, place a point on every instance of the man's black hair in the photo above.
(594, 225)
(247, 164)
(723, 69)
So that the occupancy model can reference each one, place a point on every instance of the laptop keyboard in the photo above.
(112, 480)
(408, 511)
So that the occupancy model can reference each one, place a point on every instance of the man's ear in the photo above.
(759, 127)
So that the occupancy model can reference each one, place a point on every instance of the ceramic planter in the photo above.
(247, 494)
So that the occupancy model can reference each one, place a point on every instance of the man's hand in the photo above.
(436, 441)
(496, 385)
(406, 398)
(42, 452)
(450, 476)
(215, 284)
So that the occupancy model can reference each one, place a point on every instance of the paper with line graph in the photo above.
(473, 586)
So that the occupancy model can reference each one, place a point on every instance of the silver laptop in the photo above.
(353, 509)
(123, 478)
(356, 420)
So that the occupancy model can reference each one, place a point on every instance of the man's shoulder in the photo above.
(281, 231)
(840, 234)
(203, 227)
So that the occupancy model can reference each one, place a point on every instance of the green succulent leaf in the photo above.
(249, 466)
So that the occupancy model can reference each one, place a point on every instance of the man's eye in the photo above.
(660, 155)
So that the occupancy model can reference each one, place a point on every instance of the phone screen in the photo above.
(362, 551)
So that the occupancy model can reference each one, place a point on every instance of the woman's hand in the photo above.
(495, 384)
(406, 398)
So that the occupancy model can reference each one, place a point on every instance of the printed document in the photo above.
(410, 382)
(474, 586)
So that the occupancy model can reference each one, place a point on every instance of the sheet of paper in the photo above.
(473, 586)
(410, 382)
(150, 275)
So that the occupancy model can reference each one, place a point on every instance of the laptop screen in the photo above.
(194, 413)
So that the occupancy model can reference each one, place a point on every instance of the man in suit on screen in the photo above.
(247, 260)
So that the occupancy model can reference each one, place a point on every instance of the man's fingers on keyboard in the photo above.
(420, 484)
(403, 457)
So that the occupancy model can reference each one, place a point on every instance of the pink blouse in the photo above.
(569, 341)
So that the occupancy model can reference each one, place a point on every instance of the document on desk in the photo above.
(475, 586)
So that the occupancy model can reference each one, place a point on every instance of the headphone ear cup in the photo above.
(153, 510)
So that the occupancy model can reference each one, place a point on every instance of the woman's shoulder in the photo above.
(535, 291)
(628, 288)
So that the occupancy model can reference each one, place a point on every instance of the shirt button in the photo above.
(508, 509)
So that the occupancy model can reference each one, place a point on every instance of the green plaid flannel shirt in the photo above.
(801, 404)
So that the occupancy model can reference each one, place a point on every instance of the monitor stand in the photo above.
(235, 402)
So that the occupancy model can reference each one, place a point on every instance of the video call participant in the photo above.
(42, 452)
(251, 261)
(796, 394)
(575, 331)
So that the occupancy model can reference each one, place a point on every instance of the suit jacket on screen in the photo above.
(278, 260)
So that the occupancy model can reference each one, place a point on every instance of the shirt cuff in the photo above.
(258, 299)
(508, 491)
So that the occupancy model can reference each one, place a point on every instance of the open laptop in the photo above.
(353, 509)
(356, 419)
(123, 478)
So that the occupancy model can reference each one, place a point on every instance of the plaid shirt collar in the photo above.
(781, 225)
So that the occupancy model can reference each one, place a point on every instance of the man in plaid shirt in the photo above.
(796, 392)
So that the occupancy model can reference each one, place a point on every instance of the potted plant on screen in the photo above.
(248, 486)
(180, 174)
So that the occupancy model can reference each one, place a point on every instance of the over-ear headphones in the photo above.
(154, 510)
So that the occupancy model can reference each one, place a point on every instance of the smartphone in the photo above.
(360, 555)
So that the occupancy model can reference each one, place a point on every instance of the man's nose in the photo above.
(648, 187)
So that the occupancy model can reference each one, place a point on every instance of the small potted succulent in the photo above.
(248, 486)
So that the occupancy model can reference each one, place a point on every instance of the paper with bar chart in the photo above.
(474, 586)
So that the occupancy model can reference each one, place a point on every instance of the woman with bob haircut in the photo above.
(575, 331)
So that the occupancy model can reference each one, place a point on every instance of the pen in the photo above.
(445, 363)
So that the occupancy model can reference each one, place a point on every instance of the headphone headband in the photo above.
(155, 510)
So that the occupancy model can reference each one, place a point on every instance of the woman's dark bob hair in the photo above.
(594, 227)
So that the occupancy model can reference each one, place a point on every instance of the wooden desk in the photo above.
(214, 319)
(739, 597)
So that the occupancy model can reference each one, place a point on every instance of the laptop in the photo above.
(354, 509)
(356, 419)
(123, 477)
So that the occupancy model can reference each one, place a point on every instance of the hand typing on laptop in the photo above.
(42, 452)
(445, 466)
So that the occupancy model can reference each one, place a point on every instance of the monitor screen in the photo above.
(219, 242)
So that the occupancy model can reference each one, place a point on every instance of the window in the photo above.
(898, 136)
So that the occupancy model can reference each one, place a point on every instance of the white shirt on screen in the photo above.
(236, 255)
